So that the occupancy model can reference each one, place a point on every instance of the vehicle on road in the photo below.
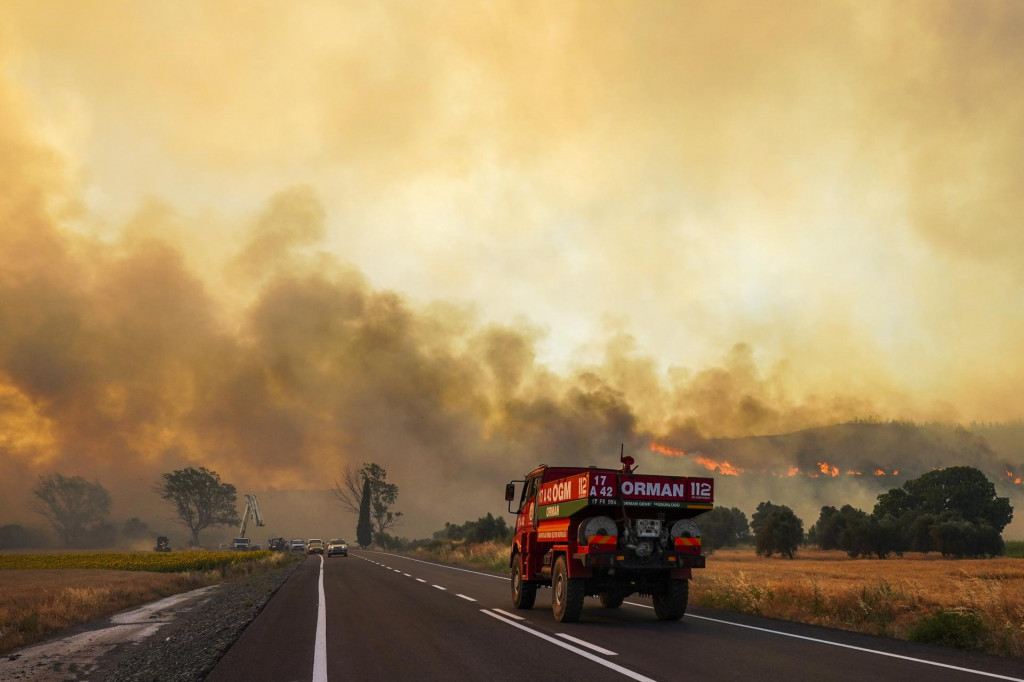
(277, 545)
(163, 544)
(606, 532)
(314, 546)
(337, 547)
(297, 545)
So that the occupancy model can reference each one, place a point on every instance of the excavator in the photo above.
(252, 509)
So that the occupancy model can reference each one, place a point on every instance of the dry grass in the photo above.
(888, 598)
(489, 555)
(35, 603)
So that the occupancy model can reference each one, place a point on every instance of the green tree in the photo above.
(954, 511)
(382, 494)
(199, 499)
(484, 529)
(723, 527)
(776, 530)
(364, 530)
(72, 505)
(825, 531)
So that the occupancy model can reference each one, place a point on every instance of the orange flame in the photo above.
(851, 472)
(666, 450)
(793, 471)
(723, 468)
(828, 469)
(879, 472)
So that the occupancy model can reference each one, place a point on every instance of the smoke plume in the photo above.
(460, 241)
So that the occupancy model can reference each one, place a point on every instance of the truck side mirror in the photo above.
(510, 492)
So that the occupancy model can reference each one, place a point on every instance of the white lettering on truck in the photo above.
(653, 489)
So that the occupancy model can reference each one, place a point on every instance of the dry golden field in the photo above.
(37, 602)
(888, 597)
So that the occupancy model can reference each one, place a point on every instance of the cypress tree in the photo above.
(364, 532)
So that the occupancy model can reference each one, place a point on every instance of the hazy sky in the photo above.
(279, 238)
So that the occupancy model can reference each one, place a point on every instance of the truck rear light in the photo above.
(602, 543)
(687, 545)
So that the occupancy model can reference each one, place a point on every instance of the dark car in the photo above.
(337, 548)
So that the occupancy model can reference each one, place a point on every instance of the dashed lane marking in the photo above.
(579, 652)
(592, 647)
(509, 615)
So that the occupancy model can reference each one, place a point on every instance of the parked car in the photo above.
(297, 545)
(314, 546)
(277, 545)
(337, 548)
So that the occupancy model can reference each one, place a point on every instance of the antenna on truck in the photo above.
(627, 461)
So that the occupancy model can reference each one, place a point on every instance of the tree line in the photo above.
(77, 510)
(953, 511)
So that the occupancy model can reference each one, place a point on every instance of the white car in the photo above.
(297, 545)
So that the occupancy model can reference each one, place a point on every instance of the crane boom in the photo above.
(252, 509)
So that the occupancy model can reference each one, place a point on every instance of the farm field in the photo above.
(41, 594)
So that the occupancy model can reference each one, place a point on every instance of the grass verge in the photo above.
(37, 602)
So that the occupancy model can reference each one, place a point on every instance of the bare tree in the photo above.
(382, 494)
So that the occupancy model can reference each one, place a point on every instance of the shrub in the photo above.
(950, 628)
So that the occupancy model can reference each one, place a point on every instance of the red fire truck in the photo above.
(606, 532)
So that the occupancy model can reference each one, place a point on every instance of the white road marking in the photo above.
(593, 647)
(462, 596)
(451, 568)
(320, 648)
(580, 652)
(397, 570)
(509, 615)
(420, 580)
(407, 575)
(439, 587)
(848, 646)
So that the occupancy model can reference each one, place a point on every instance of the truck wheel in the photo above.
(524, 592)
(671, 604)
(609, 600)
(566, 593)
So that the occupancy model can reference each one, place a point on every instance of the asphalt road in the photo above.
(384, 617)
